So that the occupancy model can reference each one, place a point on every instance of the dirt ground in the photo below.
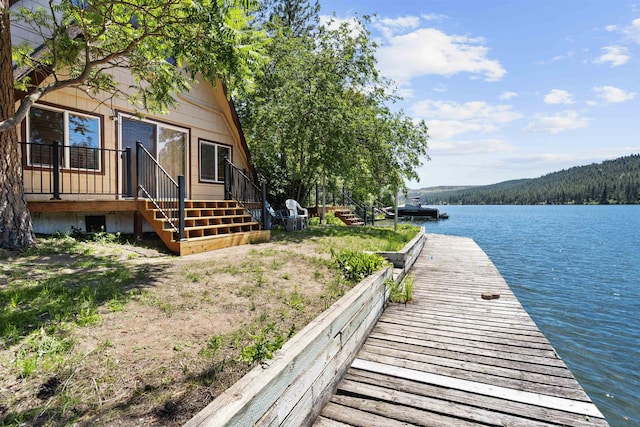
(179, 334)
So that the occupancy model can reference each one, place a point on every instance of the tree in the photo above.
(15, 221)
(164, 44)
(319, 111)
(299, 16)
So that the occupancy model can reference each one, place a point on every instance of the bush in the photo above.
(355, 266)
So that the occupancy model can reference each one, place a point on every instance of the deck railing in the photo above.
(161, 189)
(238, 186)
(59, 169)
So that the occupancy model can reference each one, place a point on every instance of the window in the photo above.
(212, 158)
(77, 134)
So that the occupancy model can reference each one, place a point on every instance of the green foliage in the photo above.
(401, 292)
(610, 182)
(354, 238)
(355, 266)
(330, 219)
(40, 348)
(267, 342)
(82, 44)
(319, 111)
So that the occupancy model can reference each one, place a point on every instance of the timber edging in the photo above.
(405, 258)
(293, 387)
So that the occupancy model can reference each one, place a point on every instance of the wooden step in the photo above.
(224, 222)
(349, 218)
(205, 221)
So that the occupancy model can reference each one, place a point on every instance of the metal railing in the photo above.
(355, 207)
(238, 186)
(164, 192)
(59, 169)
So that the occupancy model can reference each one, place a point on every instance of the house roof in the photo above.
(39, 74)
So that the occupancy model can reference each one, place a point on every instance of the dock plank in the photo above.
(452, 358)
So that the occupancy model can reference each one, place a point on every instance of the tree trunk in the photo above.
(16, 230)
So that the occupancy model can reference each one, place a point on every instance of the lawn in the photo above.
(96, 330)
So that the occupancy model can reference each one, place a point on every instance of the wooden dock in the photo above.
(453, 358)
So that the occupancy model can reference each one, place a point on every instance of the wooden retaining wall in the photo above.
(292, 388)
(403, 260)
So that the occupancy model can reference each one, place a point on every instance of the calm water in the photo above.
(576, 270)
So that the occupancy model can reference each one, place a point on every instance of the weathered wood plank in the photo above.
(358, 418)
(486, 371)
(471, 350)
(554, 402)
(434, 317)
(401, 411)
(558, 371)
(452, 357)
(495, 345)
(467, 328)
(326, 422)
(476, 377)
(476, 400)
(414, 408)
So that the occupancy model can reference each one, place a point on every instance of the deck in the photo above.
(453, 358)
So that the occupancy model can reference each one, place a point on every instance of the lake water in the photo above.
(576, 270)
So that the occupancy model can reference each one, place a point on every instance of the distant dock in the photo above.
(458, 356)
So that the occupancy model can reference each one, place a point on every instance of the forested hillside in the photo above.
(610, 182)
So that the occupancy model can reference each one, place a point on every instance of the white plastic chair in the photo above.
(297, 214)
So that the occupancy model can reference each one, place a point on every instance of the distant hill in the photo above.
(610, 182)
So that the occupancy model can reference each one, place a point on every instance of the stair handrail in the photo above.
(161, 189)
(238, 186)
(346, 197)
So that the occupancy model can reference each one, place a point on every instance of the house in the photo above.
(94, 166)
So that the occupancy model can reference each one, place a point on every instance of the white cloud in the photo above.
(449, 119)
(430, 51)
(434, 17)
(447, 129)
(507, 95)
(616, 55)
(403, 22)
(612, 94)
(474, 111)
(556, 58)
(563, 121)
(466, 148)
(633, 31)
(558, 96)
(611, 28)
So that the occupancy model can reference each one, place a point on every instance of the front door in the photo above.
(167, 144)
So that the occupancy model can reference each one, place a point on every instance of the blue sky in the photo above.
(510, 89)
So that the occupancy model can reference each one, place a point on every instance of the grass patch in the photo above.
(401, 292)
(370, 239)
(93, 331)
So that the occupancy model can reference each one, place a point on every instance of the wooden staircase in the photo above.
(348, 217)
(209, 225)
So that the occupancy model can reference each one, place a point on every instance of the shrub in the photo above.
(355, 266)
